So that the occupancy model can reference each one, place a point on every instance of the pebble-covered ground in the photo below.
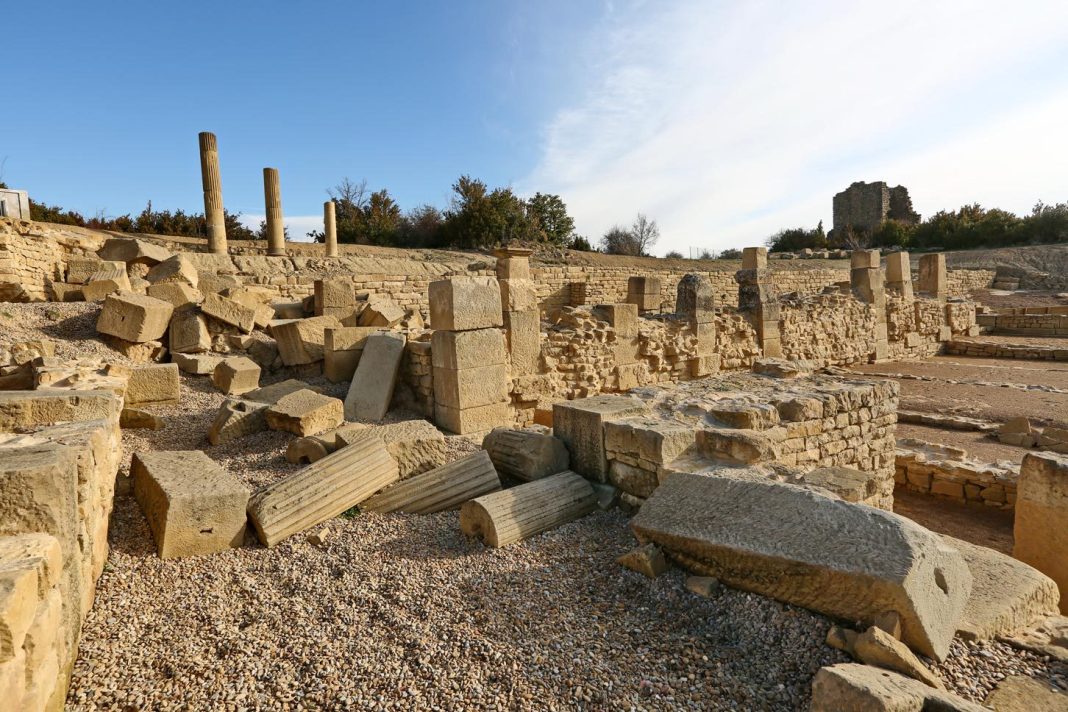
(403, 612)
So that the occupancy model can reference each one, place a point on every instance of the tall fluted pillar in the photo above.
(272, 195)
(330, 228)
(213, 200)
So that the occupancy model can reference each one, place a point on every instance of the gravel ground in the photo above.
(403, 612)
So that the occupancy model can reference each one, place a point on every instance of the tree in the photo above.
(673, 255)
(550, 214)
(619, 241)
(731, 253)
(797, 238)
(580, 244)
(362, 218)
(478, 217)
(645, 233)
(420, 227)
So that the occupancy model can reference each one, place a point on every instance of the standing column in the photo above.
(214, 214)
(757, 296)
(933, 275)
(330, 228)
(899, 274)
(695, 301)
(272, 196)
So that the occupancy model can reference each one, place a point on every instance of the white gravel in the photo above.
(403, 612)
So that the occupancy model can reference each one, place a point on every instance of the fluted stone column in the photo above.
(330, 228)
(272, 196)
(213, 200)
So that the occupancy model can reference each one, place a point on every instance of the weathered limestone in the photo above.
(272, 197)
(899, 274)
(334, 297)
(236, 419)
(695, 302)
(1019, 693)
(470, 387)
(862, 688)
(342, 349)
(193, 506)
(134, 317)
(381, 312)
(511, 515)
(305, 413)
(877, 647)
(445, 487)
(522, 322)
(844, 560)
(80, 269)
(229, 312)
(236, 375)
(757, 296)
(274, 392)
(459, 350)
(109, 278)
(196, 364)
(300, 341)
(179, 294)
(464, 303)
(372, 384)
(132, 251)
(647, 559)
(330, 227)
(188, 332)
(623, 318)
(177, 269)
(136, 419)
(1040, 534)
(933, 280)
(213, 200)
(416, 445)
(868, 286)
(307, 450)
(580, 425)
(645, 292)
(153, 384)
(322, 490)
(526, 455)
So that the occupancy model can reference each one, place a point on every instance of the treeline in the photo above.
(155, 222)
(972, 226)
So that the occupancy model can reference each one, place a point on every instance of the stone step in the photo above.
(526, 455)
(518, 513)
(323, 490)
(445, 487)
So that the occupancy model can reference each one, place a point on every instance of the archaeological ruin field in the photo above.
(278, 475)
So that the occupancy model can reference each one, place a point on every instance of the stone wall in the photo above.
(59, 454)
(1031, 324)
(962, 282)
(987, 349)
(943, 471)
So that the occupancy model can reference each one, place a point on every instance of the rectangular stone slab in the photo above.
(808, 548)
(372, 385)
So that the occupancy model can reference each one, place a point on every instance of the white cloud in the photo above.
(299, 225)
(728, 124)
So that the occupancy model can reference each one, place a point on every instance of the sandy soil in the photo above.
(979, 446)
(960, 368)
(978, 524)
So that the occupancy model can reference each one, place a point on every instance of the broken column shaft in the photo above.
(214, 215)
(272, 196)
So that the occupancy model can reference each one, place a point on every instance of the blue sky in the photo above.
(723, 121)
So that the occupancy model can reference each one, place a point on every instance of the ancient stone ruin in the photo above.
(866, 206)
(425, 468)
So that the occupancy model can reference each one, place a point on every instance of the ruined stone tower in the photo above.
(866, 206)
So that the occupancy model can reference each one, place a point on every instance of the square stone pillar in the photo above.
(645, 292)
(695, 301)
(519, 302)
(758, 298)
(933, 281)
(868, 285)
(899, 274)
(468, 354)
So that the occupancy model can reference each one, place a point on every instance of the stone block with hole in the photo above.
(193, 505)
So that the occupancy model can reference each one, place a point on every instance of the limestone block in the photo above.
(864, 259)
(632, 480)
(236, 375)
(518, 295)
(463, 303)
(526, 455)
(334, 297)
(236, 419)
(1040, 536)
(342, 349)
(467, 421)
(877, 647)
(416, 445)
(515, 514)
(695, 298)
(301, 341)
(80, 269)
(274, 392)
(644, 292)
(621, 317)
(229, 311)
(372, 384)
(845, 560)
(176, 269)
(580, 425)
(754, 258)
(63, 292)
(382, 313)
(44, 406)
(513, 268)
(852, 686)
(196, 364)
(322, 490)
(468, 349)
(445, 487)
(30, 566)
(306, 450)
(523, 335)
(193, 505)
(189, 332)
(1008, 596)
(179, 294)
(471, 387)
(135, 419)
(933, 279)
(133, 251)
(849, 484)
(1020, 693)
(153, 384)
(305, 413)
(212, 283)
(133, 317)
(898, 267)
